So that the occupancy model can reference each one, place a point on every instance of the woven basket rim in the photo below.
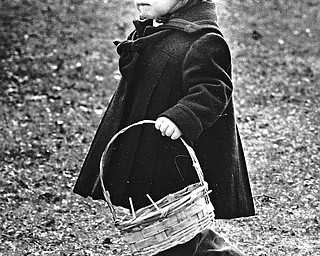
(148, 213)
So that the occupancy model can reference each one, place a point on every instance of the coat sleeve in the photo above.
(208, 87)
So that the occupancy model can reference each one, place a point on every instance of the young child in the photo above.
(179, 74)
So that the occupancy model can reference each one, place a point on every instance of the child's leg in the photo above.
(207, 243)
(212, 244)
(187, 249)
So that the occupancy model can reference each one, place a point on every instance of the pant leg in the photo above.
(187, 249)
(206, 243)
(212, 244)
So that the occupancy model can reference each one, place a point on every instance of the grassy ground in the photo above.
(58, 71)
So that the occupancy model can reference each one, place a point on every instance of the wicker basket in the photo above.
(174, 219)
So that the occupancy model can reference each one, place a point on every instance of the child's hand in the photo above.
(168, 128)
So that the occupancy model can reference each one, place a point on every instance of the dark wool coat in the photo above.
(180, 70)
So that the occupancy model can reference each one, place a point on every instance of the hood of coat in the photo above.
(190, 12)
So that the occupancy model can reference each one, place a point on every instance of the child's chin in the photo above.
(146, 17)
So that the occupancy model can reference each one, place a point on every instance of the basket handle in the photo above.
(106, 194)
